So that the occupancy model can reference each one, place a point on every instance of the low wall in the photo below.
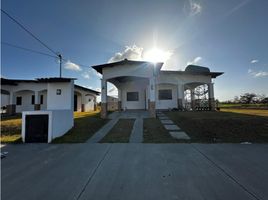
(60, 122)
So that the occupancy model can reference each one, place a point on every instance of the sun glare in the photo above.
(157, 55)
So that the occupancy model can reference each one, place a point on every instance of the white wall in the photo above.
(55, 127)
(26, 102)
(134, 86)
(89, 103)
(167, 104)
(44, 105)
(4, 99)
(58, 127)
(63, 101)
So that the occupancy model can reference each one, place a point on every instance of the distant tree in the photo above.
(264, 100)
(247, 98)
(236, 99)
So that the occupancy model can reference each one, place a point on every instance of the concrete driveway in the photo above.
(135, 171)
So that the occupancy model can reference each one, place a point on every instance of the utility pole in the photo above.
(60, 57)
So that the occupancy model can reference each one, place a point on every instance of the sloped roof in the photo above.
(99, 68)
(87, 89)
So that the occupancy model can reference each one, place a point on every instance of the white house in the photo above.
(143, 85)
(28, 95)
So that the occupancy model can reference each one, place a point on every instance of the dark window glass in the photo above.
(132, 96)
(164, 94)
(33, 98)
(41, 99)
(18, 101)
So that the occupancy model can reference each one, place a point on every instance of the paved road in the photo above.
(135, 171)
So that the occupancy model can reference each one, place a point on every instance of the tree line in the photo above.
(249, 98)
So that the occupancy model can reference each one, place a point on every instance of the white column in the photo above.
(211, 90)
(152, 89)
(103, 91)
(193, 98)
(11, 96)
(180, 96)
(211, 96)
(103, 98)
(36, 97)
(119, 94)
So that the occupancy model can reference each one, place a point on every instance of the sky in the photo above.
(226, 36)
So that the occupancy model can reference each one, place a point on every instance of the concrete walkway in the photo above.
(103, 131)
(137, 131)
(135, 171)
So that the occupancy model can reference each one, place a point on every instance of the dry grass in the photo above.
(11, 129)
(257, 112)
(120, 133)
(155, 132)
(223, 126)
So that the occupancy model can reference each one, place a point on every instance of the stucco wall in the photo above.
(133, 86)
(63, 101)
(167, 104)
(26, 101)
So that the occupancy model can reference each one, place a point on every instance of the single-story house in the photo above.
(143, 85)
(27, 95)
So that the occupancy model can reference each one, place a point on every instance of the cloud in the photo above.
(254, 61)
(90, 73)
(195, 61)
(257, 74)
(192, 7)
(72, 66)
(131, 52)
(85, 75)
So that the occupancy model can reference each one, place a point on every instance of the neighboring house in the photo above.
(29, 95)
(112, 103)
(143, 85)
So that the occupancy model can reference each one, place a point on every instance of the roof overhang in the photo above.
(99, 68)
(212, 74)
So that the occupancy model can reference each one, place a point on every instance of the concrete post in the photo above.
(103, 98)
(193, 99)
(11, 108)
(119, 99)
(211, 99)
(152, 91)
(180, 96)
(36, 101)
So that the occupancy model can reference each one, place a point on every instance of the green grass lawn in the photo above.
(155, 132)
(120, 133)
(11, 129)
(85, 125)
(239, 105)
(225, 126)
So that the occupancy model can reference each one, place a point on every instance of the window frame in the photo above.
(136, 96)
(161, 97)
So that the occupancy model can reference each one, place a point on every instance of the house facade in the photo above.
(29, 95)
(143, 85)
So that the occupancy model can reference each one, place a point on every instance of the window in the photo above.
(165, 94)
(58, 92)
(132, 96)
(41, 99)
(33, 98)
(18, 101)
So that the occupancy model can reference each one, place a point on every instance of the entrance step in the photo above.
(166, 121)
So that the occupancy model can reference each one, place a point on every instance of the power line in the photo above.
(39, 52)
(30, 50)
(29, 32)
